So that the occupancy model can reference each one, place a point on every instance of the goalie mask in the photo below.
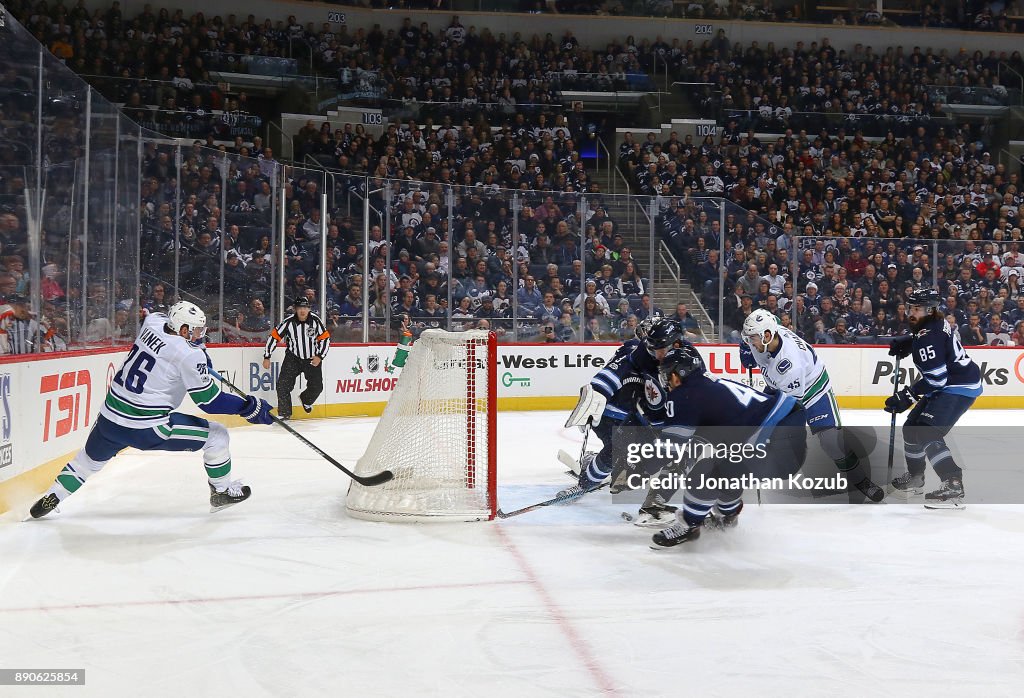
(644, 328)
(662, 335)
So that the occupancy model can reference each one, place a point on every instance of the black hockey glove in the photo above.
(900, 401)
(901, 346)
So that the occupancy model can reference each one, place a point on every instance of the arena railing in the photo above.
(871, 125)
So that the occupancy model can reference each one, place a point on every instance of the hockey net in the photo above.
(437, 435)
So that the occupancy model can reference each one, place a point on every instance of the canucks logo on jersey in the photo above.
(795, 369)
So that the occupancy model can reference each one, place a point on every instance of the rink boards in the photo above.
(358, 379)
(48, 403)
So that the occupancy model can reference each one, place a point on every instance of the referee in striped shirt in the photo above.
(17, 328)
(308, 343)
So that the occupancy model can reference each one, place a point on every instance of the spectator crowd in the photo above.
(484, 211)
(512, 260)
(971, 15)
(813, 86)
(831, 234)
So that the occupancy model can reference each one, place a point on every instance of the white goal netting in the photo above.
(436, 435)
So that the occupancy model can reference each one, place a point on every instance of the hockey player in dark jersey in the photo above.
(950, 383)
(700, 407)
(626, 393)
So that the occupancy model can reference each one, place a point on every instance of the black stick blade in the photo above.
(374, 480)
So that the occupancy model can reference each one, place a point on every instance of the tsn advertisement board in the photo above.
(48, 404)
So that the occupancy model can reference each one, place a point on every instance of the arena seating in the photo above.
(866, 171)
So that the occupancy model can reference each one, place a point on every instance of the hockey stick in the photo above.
(569, 496)
(750, 382)
(561, 499)
(566, 459)
(892, 422)
(367, 481)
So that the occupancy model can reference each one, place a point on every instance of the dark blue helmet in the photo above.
(925, 297)
(683, 361)
(662, 334)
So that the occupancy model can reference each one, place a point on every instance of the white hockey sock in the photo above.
(74, 474)
(219, 474)
(217, 456)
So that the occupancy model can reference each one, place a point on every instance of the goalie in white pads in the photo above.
(789, 365)
(626, 393)
(165, 363)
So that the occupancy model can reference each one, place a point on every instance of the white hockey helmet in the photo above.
(185, 314)
(759, 322)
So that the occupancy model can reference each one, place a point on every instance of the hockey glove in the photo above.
(747, 356)
(256, 410)
(901, 346)
(900, 401)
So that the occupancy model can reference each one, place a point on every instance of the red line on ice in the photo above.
(583, 651)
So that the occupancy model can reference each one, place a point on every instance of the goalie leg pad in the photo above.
(590, 406)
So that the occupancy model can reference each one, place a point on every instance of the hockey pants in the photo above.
(181, 432)
(784, 455)
(925, 430)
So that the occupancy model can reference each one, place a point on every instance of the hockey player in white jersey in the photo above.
(165, 364)
(790, 365)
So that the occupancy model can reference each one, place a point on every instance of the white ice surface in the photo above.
(285, 595)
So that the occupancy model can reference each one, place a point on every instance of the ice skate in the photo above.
(907, 484)
(678, 533)
(869, 489)
(949, 496)
(233, 493)
(655, 513)
(723, 521)
(44, 506)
